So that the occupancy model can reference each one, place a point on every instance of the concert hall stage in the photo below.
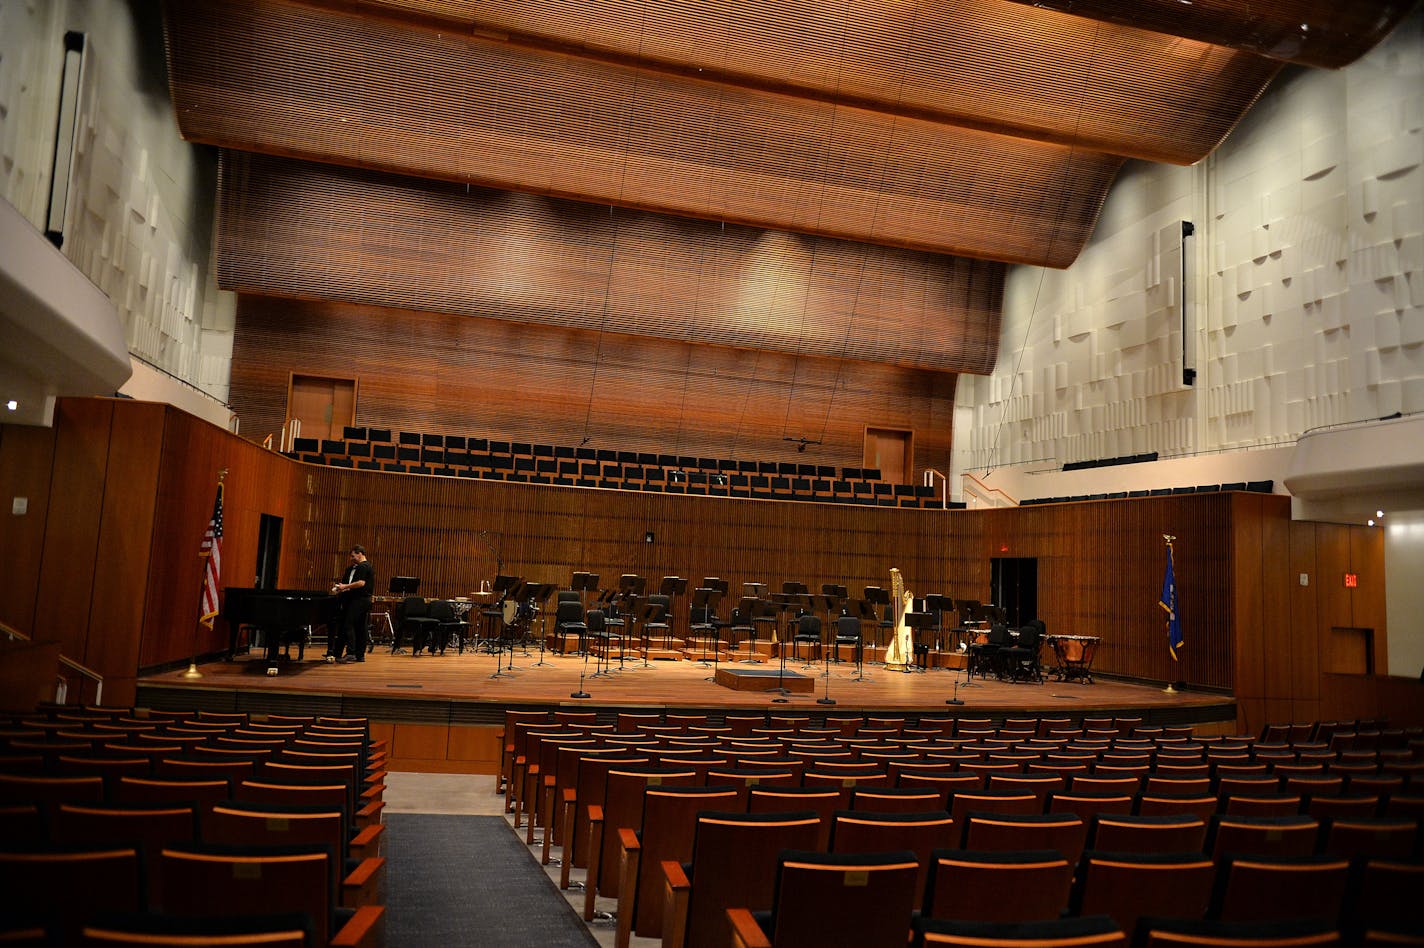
(458, 689)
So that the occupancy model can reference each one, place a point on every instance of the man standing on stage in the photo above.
(355, 604)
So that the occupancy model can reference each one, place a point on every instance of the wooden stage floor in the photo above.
(459, 689)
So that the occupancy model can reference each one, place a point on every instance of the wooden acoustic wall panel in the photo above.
(1324, 33)
(982, 64)
(314, 231)
(334, 86)
(1100, 568)
(257, 482)
(1100, 564)
(26, 459)
(489, 378)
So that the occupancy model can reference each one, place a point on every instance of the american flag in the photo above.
(211, 550)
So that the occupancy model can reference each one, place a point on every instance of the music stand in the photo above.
(866, 612)
(540, 592)
(404, 585)
(672, 587)
(492, 616)
(646, 612)
(877, 596)
(782, 604)
(706, 599)
(918, 623)
(515, 592)
(581, 583)
(971, 614)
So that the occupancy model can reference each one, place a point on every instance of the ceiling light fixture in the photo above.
(12, 404)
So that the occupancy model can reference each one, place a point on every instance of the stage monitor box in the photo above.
(404, 585)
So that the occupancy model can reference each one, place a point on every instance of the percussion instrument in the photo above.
(1074, 654)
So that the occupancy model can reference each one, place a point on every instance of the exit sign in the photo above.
(1352, 580)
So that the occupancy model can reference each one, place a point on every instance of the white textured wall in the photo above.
(1403, 567)
(1305, 287)
(142, 199)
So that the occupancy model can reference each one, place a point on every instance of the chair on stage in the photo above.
(848, 633)
(569, 620)
(415, 619)
(1020, 660)
(448, 624)
(659, 620)
(734, 863)
(984, 656)
(808, 634)
(834, 899)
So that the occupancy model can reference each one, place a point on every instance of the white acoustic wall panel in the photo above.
(1308, 281)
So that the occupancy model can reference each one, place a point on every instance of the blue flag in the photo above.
(1168, 602)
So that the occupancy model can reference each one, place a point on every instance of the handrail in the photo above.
(91, 674)
(989, 490)
(930, 475)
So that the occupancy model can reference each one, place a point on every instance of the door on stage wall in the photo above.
(269, 551)
(324, 406)
(1014, 583)
(892, 450)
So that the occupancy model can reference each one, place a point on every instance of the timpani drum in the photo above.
(1074, 654)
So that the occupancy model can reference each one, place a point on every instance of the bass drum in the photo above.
(511, 611)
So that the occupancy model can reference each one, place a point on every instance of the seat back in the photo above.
(844, 898)
(669, 822)
(569, 611)
(992, 801)
(1127, 886)
(860, 831)
(999, 832)
(1254, 888)
(247, 931)
(205, 880)
(1187, 933)
(1263, 836)
(1095, 931)
(823, 801)
(65, 885)
(623, 809)
(734, 863)
(1165, 833)
(970, 885)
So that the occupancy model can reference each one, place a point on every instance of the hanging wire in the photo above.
(1043, 271)
(624, 133)
(868, 247)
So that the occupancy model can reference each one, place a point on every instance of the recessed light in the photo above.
(1370, 522)
(12, 404)
(1379, 513)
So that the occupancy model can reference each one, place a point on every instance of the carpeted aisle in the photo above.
(468, 880)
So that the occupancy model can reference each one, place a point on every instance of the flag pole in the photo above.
(1169, 690)
(203, 558)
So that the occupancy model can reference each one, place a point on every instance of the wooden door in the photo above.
(325, 406)
(892, 450)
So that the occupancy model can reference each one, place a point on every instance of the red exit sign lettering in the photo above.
(1352, 580)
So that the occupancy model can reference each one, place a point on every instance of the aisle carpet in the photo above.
(468, 880)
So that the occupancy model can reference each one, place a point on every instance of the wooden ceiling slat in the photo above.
(278, 78)
(293, 229)
(1029, 72)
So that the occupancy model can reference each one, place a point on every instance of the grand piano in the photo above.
(282, 615)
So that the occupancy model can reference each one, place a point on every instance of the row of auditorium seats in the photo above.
(629, 800)
(141, 827)
(1255, 487)
(524, 462)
